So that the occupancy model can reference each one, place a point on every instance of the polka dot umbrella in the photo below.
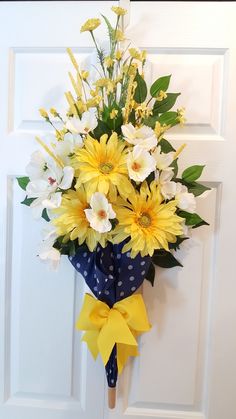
(111, 276)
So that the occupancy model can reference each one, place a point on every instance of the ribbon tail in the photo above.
(123, 353)
(91, 337)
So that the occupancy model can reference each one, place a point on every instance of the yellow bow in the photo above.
(104, 327)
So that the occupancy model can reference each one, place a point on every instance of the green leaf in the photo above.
(101, 129)
(160, 84)
(23, 182)
(192, 173)
(166, 104)
(166, 147)
(165, 259)
(150, 121)
(178, 242)
(151, 274)
(168, 118)
(174, 165)
(45, 215)
(192, 219)
(197, 188)
(28, 201)
(111, 31)
(150, 178)
(140, 93)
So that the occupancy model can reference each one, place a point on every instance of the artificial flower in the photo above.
(66, 148)
(167, 186)
(160, 129)
(119, 11)
(46, 250)
(140, 164)
(142, 136)
(43, 113)
(87, 123)
(37, 167)
(71, 219)
(90, 25)
(113, 113)
(180, 117)
(163, 160)
(185, 200)
(100, 213)
(146, 221)
(161, 96)
(46, 192)
(119, 35)
(102, 165)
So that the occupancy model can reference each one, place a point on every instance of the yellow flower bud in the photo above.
(161, 95)
(90, 25)
(54, 112)
(108, 62)
(113, 113)
(119, 11)
(84, 74)
(118, 55)
(43, 113)
(134, 53)
(120, 36)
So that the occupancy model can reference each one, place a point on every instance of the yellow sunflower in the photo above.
(102, 166)
(72, 222)
(148, 222)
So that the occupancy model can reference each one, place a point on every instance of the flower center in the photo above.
(106, 168)
(145, 220)
(51, 181)
(136, 166)
(102, 214)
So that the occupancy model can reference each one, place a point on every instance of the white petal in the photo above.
(111, 212)
(37, 188)
(168, 190)
(54, 201)
(98, 202)
(68, 175)
(128, 131)
(166, 175)
(186, 202)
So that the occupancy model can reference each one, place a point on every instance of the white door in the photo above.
(187, 366)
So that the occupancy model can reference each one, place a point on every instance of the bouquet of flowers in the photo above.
(108, 186)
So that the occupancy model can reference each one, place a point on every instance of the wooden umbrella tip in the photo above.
(112, 397)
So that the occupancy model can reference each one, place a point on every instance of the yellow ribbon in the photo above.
(104, 327)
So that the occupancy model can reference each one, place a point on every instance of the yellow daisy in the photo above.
(71, 219)
(90, 25)
(119, 11)
(149, 223)
(102, 166)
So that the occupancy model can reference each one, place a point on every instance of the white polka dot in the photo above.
(95, 288)
(98, 248)
(112, 381)
(85, 254)
(133, 288)
(130, 267)
(107, 292)
(142, 263)
(95, 276)
(128, 255)
(143, 272)
(120, 283)
(89, 260)
(131, 278)
(122, 293)
(106, 279)
(110, 371)
(111, 268)
(102, 254)
(99, 292)
(70, 257)
(110, 276)
(118, 256)
(85, 273)
(78, 265)
(97, 280)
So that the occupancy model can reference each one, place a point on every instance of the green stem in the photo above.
(99, 53)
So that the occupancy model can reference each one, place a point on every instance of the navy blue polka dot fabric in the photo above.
(111, 276)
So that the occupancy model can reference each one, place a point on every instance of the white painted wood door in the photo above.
(187, 365)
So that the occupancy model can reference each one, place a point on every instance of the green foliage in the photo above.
(140, 93)
(174, 165)
(111, 31)
(150, 121)
(168, 118)
(178, 242)
(194, 187)
(101, 129)
(45, 215)
(115, 123)
(28, 201)
(69, 248)
(192, 219)
(160, 84)
(151, 274)
(192, 173)
(23, 182)
(166, 147)
(166, 104)
(165, 259)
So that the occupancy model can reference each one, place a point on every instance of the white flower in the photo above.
(185, 200)
(168, 187)
(37, 166)
(140, 164)
(100, 213)
(163, 160)
(68, 146)
(46, 250)
(46, 190)
(87, 123)
(144, 137)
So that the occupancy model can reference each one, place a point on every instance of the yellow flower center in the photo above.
(145, 220)
(106, 168)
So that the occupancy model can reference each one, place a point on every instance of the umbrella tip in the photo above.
(111, 397)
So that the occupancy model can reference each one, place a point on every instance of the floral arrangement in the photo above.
(109, 188)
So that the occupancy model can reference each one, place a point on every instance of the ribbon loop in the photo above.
(104, 327)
